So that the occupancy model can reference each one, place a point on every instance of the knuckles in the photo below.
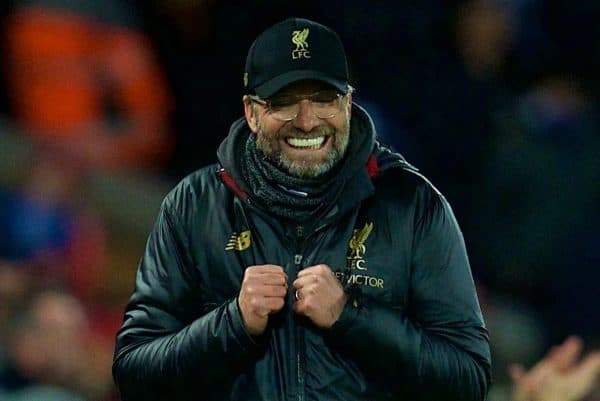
(323, 269)
(308, 306)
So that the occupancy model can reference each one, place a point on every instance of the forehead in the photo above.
(305, 87)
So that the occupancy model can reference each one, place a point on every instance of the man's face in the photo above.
(307, 146)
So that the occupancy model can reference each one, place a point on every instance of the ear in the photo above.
(250, 114)
(349, 95)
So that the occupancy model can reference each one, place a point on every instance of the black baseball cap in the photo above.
(293, 50)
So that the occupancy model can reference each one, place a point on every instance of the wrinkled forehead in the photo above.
(304, 87)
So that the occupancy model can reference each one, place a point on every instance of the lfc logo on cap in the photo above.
(299, 39)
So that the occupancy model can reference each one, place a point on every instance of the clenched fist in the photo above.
(263, 292)
(319, 295)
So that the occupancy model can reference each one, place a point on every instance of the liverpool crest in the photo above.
(357, 247)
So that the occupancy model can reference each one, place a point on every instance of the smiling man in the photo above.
(310, 263)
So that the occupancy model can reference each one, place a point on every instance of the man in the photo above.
(311, 264)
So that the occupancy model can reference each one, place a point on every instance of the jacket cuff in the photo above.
(348, 316)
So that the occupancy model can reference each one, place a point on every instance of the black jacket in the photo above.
(412, 328)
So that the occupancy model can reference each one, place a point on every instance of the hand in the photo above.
(559, 376)
(320, 295)
(263, 292)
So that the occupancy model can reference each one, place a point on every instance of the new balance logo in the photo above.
(239, 242)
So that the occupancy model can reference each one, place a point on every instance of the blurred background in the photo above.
(106, 104)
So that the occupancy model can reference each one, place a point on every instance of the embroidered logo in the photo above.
(299, 39)
(355, 261)
(357, 247)
(239, 242)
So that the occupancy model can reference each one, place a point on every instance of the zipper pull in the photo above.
(299, 231)
(297, 259)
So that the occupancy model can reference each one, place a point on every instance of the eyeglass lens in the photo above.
(325, 104)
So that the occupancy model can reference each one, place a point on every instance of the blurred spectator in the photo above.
(517, 333)
(46, 225)
(14, 285)
(562, 375)
(4, 11)
(535, 224)
(83, 81)
(52, 354)
(49, 237)
(459, 88)
(484, 36)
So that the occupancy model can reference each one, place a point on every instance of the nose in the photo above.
(306, 120)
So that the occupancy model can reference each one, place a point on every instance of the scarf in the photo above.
(285, 195)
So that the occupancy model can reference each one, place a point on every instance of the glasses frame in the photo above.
(266, 103)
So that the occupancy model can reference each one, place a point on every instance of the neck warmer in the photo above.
(285, 195)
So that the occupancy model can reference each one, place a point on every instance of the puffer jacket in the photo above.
(412, 328)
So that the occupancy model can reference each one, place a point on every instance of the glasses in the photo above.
(325, 104)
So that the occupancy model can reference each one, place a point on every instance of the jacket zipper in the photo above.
(299, 342)
(299, 330)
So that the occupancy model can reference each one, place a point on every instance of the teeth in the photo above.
(314, 143)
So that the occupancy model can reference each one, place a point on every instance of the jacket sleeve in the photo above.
(163, 348)
(438, 347)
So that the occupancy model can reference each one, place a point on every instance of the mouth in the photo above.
(307, 143)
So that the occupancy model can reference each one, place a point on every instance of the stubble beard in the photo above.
(270, 146)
